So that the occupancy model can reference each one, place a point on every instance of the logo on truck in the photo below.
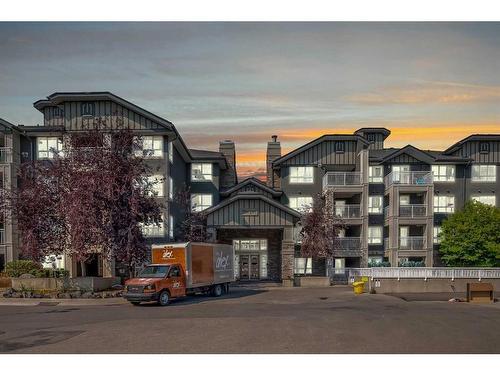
(222, 261)
(167, 254)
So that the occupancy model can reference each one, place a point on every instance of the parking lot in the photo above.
(254, 320)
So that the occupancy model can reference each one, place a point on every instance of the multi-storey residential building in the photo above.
(392, 201)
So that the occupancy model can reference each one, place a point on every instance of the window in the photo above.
(201, 172)
(152, 146)
(57, 112)
(444, 203)
(156, 182)
(249, 245)
(88, 109)
(170, 188)
(374, 235)
(375, 204)
(171, 227)
(484, 173)
(436, 232)
(48, 147)
(371, 137)
(339, 146)
(171, 152)
(301, 175)
(485, 199)
(301, 203)
(443, 173)
(484, 147)
(300, 266)
(376, 174)
(200, 202)
(153, 230)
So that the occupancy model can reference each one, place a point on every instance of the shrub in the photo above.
(18, 267)
(379, 264)
(412, 263)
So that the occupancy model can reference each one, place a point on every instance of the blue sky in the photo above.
(430, 83)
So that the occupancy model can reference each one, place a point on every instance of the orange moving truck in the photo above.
(182, 269)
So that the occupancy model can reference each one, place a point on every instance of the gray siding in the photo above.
(471, 150)
(325, 153)
(250, 188)
(250, 212)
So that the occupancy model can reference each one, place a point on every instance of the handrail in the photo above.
(426, 273)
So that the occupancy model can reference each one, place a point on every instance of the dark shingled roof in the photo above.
(204, 154)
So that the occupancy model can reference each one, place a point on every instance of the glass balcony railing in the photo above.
(348, 211)
(409, 178)
(331, 179)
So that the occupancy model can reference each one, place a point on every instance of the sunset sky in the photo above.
(431, 84)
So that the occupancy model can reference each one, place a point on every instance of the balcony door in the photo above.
(401, 174)
(404, 233)
(340, 208)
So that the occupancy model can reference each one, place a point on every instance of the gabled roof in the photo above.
(314, 142)
(426, 156)
(7, 124)
(261, 197)
(59, 97)
(385, 132)
(205, 154)
(251, 181)
(473, 137)
(411, 151)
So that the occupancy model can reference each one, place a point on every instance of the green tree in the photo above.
(471, 237)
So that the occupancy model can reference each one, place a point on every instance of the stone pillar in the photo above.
(287, 262)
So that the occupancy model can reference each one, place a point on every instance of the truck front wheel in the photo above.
(164, 298)
(217, 290)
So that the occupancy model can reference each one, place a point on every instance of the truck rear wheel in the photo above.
(217, 290)
(164, 298)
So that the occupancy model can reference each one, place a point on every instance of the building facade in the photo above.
(392, 201)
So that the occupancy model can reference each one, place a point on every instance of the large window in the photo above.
(375, 235)
(170, 188)
(152, 147)
(443, 173)
(301, 268)
(444, 203)
(301, 203)
(436, 233)
(171, 152)
(201, 172)
(48, 147)
(153, 230)
(486, 199)
(376, 174)
(301, 175)
(375, 204)
(200, 202)
(484, 173)
(156, 182)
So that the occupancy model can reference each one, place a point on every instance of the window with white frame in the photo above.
(376, 173)
(171, 152)
(153, 230)
(375, 204)
(436, 233)
(201, 172)
(443, 173)
(484, 173)
(485, 199)
(156, 182)
(151, 146)
(444, 203)
(375, 235)
(171, 226)
(301, 203)
(200, 202)
(170, 188)
(301, 268)
(48, 147)
(301, 175)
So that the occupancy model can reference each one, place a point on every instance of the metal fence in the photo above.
(425, 273)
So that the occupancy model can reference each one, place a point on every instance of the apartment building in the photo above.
(392, 200)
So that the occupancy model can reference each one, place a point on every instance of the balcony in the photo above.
(412, 243)
(348, 211)
(409, 178)
(347, 246)
(413, 210)
(5, 155)
(334, 179)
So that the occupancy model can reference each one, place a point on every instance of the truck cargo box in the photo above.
(204, 263)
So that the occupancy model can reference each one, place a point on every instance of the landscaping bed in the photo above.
(55, 294)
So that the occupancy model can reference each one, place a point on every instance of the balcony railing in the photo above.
(412, 243)
(5, 155)
(348, 211)
(413, 210)
(347, 246)
(342, 179)
(409, 178)
(425, 273)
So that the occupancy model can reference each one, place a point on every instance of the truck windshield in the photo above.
(154, 271)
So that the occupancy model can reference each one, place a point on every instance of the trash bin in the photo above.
(358, 286)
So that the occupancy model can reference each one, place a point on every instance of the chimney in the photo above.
(228, 177)
(273, 153)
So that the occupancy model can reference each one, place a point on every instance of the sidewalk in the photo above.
(61, 301)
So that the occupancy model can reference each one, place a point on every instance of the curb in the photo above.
(61, 302)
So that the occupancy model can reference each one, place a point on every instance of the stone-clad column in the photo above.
(287, 262)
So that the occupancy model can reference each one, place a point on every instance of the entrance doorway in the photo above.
(250, 259)
(249, 267)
